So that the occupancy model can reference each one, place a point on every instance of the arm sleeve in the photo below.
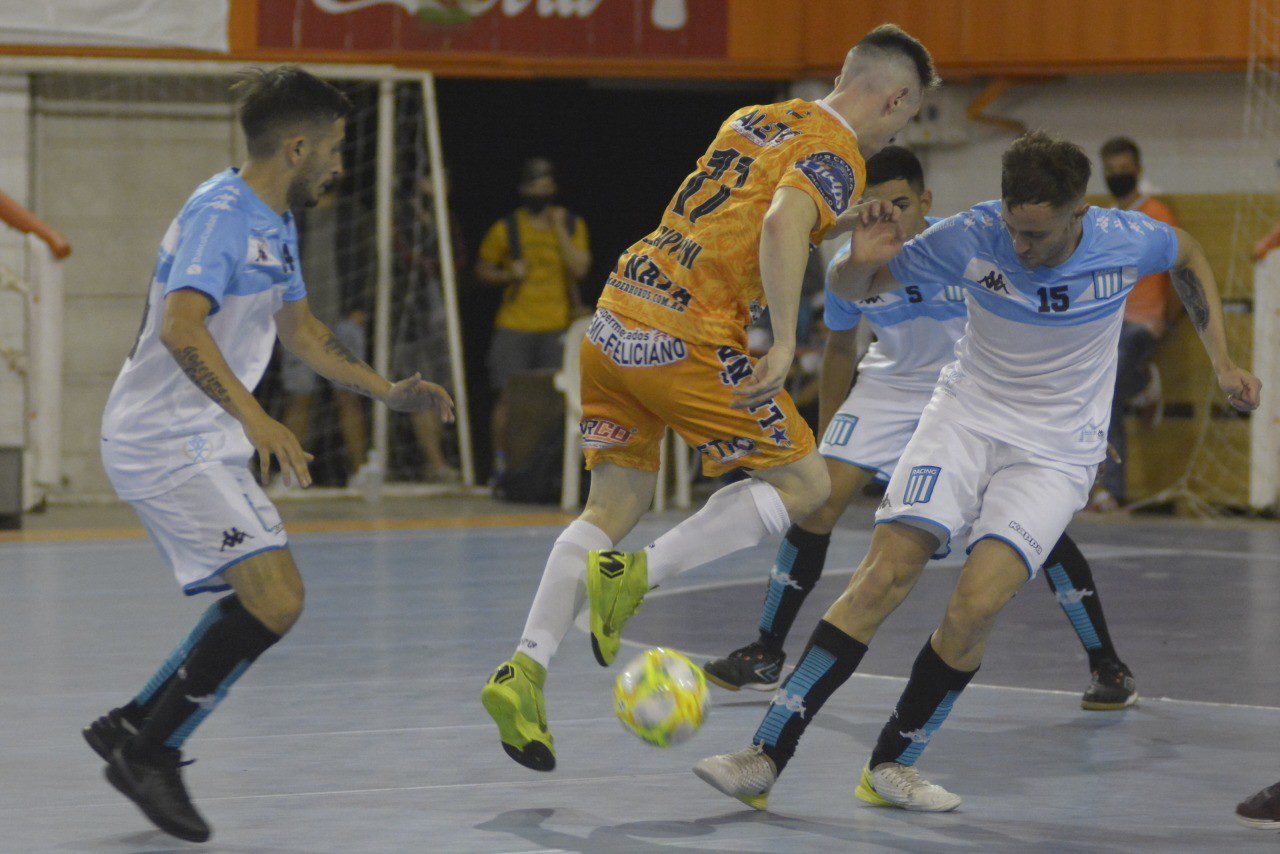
(939, 254)
(495, 247)
(1154, 245)
(210, 249)
(824, 176)
(839, 314)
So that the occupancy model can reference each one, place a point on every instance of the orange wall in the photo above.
(790, 39)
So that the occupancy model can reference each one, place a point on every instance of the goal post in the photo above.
(173, 121)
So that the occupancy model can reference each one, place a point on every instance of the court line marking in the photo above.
(581, 622)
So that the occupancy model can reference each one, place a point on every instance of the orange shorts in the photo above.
(637, 381)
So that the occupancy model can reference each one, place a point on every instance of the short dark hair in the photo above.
(1121, 145)
(273, 102)
(895, 163)
(893, 38)
(1038, 168)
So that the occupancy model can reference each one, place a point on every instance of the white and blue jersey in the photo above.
(159, 429)
(916, 329)
(1036, 367)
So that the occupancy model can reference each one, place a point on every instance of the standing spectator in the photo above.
(539, 255)
(421, 335)
(1147, 314)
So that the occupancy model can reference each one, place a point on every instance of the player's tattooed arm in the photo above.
(188, 358)
(1191, 291)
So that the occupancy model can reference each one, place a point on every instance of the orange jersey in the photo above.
(697, 276)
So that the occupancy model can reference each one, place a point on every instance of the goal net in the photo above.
(117, 146)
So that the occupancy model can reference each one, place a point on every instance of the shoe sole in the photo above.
(504, 708)
(750, 686)
(98, 746)
(867, 793)
(1258, 823)
(1095, 706)
(756, 802)
(121, 784)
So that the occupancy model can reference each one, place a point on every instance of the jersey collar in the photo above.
(832, 112)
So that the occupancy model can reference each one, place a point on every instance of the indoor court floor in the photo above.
(363, 730)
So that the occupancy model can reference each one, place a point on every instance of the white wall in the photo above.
(14, 181)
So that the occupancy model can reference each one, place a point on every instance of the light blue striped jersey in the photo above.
(1036, 367)
(916, 329)
(158, 428)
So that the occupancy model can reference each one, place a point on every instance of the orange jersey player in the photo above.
(667, 348)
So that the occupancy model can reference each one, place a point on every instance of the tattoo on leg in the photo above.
(202, 376)
(1191, 291)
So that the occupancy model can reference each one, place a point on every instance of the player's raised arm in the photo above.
(875, 240)
(184, 333)
(304, 335)
(784, 253)
(1193, 280)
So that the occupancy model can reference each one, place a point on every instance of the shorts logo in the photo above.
(196, 449)
(1031, 541)
(737, 366)
(633, 348)
(1108, 283)
(727, 450)
(832, 176)
(233, 538)
(601, 433)
(840, 431)
(920, 485)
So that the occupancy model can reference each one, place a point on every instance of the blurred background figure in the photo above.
(1147, 314)
(539, 254)
(421, 342)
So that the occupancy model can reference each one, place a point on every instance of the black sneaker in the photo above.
(108, 732)
(752, 667)
(1261, 810)
(154, 784)
(1113, 688)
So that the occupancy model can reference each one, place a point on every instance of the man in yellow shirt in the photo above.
(539, 271)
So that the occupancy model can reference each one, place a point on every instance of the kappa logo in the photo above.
(233, 538)
(793, 703)
(1073, 596)
(916, 736)
(1026, 535)
(784, 578)
(206, 702)
(602, 433)
(994, 281)
(611, 564)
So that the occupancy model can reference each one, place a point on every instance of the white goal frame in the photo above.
(386, 77)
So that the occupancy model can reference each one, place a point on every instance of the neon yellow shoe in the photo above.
(890, 784)
(616, 584)
(513, 698)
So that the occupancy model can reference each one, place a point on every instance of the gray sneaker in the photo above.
(747, 775)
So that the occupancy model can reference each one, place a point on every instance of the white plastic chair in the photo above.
(569, 382)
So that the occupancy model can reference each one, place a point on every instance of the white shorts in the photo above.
(959, 484)
(209, 523)
(872, 427)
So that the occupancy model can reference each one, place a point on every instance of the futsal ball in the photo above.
(661, 696)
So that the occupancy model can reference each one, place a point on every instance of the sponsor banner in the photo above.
(198, 24)
(636, 29)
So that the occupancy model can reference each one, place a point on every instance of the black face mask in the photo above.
(1122, 184)
(536, 204)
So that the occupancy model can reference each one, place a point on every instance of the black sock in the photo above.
(798, 567)
(1071, 581)
(923, 706)
(222, 654)
(828, 661)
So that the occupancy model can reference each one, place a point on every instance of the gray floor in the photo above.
(363, 731)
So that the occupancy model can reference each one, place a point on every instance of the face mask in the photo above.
(1122, 184)
(536, 204)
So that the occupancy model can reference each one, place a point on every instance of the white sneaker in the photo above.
(747, 775)
(894, 785)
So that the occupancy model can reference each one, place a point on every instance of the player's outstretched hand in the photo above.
(876, 237)
(767, 378)
(272, 438)
(1244, 390)
(417, 395)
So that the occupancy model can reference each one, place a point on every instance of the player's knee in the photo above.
(280, 606)
(881, 584)
(972, 609)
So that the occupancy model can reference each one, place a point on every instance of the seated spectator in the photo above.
(1147, 314)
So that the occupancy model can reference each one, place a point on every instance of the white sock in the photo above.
(734, 518)
(561, 591)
